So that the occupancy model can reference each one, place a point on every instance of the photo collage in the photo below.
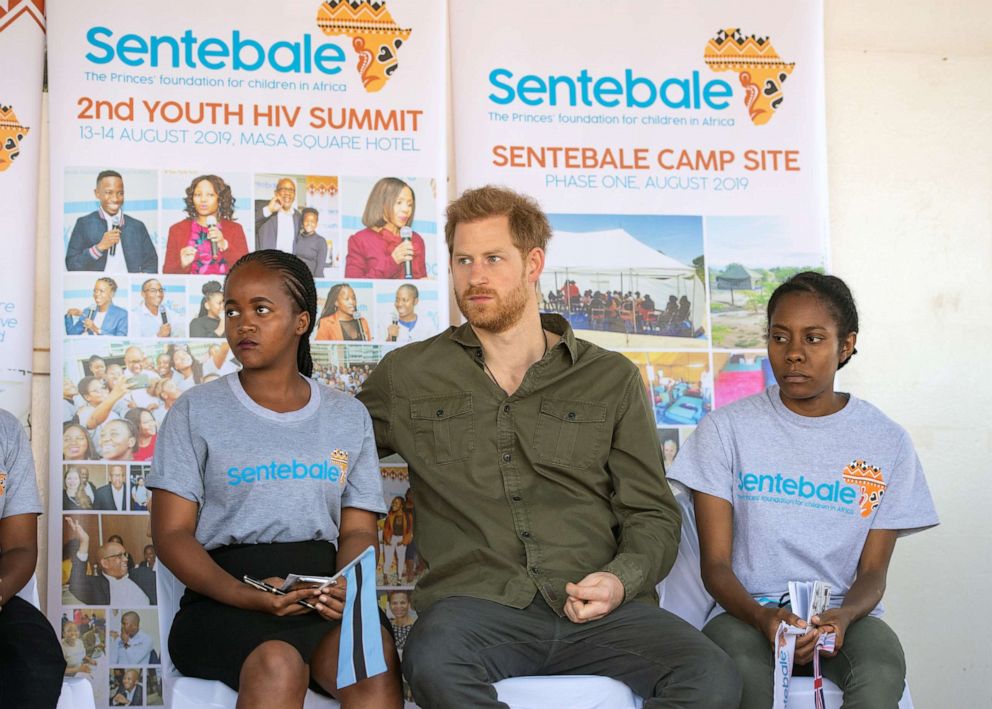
(682, 297)
(146, 254)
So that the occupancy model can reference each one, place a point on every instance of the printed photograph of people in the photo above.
(158, 308)
(399, 562)
(100, 551)
(344, 367)
(299, 214)
(628, 280)
(84, 646)
(679, 384)
(344, 311)
(211, 238)
(387, 242)
(748, 258)
(140, 495)
(740, 374)
(133, 637)
(106, 238)
(91, 309)
(208, 305)
(135, 384)
(406, 312)
(126, 687)
(277, 212)
(668, 439)
(78, 490)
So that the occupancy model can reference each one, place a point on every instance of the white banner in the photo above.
(679, 150)
(22, 46)
(300, 127)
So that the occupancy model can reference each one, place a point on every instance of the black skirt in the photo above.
(212, 640)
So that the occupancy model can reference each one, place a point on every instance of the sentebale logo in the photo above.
(375, 37)
(334, 470)
(759, 69)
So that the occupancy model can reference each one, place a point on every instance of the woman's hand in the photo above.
(330, 601)
(403, 252)
(769, 618)
(275, 604)
(835, 620)
(186, 256)
(217, 236)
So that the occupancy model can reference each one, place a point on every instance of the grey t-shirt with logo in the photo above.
(259, 476)
(805, 490)
(18, 488)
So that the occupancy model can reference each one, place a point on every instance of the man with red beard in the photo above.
(543, 513)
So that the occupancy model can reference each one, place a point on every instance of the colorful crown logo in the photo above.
(869, 480)
(759, 69)
(11, 135)
(375, 37)
(340, 459)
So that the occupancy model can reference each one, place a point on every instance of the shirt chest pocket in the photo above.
(570, 432)
(443, 427)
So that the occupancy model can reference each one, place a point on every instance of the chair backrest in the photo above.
(682, 592)
(30, 592)
(170, 591)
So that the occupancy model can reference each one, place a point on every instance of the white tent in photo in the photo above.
(613, 260)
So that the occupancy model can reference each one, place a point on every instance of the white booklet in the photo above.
(320, 581)
(807, 598)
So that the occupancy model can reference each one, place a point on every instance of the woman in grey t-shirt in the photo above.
(802, 482)
(264, 473)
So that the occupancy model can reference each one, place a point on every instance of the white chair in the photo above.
(683, 593)
(191, 692)
(77, 692)
(572, 691)
(575, 692)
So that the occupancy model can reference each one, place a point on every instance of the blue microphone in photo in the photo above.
(212, 222)
(406, 235)
(115, 224)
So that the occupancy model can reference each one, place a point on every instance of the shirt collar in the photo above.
(465, 336)
(106, 217)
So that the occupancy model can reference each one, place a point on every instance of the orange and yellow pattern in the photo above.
(759, 69)
(340, 459)
(11, 135)
(375, 37)
(3, 483)
(869, 481)
(320, 187)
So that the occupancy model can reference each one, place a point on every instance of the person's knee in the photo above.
(278, 663)
(717, 679)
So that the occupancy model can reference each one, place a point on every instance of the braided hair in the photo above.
(829, 290)
(299, 284)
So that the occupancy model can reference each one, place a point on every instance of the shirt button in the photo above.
(439, 413)
(517, 498)
(506, 409)
(534, 570)
(525, 534)
(571, 415)
(506, 457)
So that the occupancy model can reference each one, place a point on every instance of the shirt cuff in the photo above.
(630, 576)
(95, 253)
(83, 556)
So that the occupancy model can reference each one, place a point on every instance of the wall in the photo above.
(910, 159)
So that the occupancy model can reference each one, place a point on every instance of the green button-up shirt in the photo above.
(523, 493)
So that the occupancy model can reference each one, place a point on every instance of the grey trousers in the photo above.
(460, 646)
(870, 667)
